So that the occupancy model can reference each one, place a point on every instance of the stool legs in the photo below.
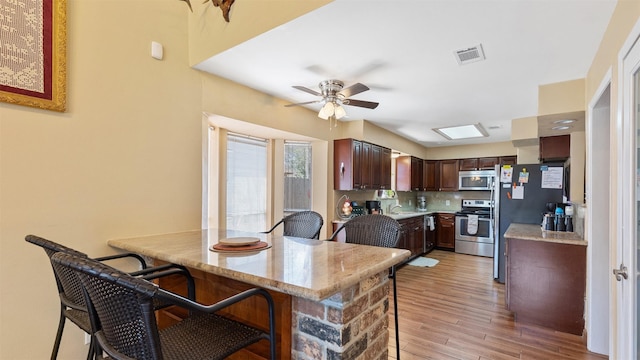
(56, 344)
(395, 312)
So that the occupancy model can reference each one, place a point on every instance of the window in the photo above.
(246, 183)
(297, 176)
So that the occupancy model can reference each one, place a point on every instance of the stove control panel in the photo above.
(476, 203)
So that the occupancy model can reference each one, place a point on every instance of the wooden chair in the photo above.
(72, 303)
(303, 224)
(376, 230)
(122, 317)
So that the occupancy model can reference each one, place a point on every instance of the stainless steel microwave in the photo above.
(476, 180)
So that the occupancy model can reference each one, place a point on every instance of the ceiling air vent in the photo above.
(469, 55)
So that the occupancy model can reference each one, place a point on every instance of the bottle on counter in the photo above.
(568, 221)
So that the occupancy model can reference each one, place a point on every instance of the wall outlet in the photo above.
(447, 202)
(87, 339)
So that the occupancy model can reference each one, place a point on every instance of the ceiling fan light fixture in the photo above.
(332, 109)
(462, 132)
(340, 113)
(327, 110)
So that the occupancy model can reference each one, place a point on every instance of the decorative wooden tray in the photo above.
(260, 245)
(239, 241)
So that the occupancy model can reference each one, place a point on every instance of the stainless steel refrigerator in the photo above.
(524, 204)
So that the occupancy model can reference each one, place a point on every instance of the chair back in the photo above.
(69, 287)
(374, 230)
(121, 304)
(304, 224)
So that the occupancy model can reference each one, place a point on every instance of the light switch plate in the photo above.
(156, 50)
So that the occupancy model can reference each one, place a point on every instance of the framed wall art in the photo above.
(33, 53)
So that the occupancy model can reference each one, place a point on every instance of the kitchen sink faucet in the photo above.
(392, 208)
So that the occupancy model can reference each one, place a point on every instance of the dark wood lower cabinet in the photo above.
(412, 235)
(546, 283)
(445, 231)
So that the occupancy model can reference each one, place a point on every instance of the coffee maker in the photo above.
(373, 207)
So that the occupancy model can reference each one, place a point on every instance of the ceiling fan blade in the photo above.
(313, 92)
(361, 103)
(303, 103)
(354, 89)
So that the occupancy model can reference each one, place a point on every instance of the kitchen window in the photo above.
(253, 176)
(297, 177)
(246, 182)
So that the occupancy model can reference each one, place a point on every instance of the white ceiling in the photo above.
(404, 51)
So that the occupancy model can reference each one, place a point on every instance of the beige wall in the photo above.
(505, 148)
(123, 160)
(562, 97)
(209, 34)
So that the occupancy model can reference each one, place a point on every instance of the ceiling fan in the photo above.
(334, 95)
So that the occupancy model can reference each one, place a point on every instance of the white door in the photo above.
(626, 264)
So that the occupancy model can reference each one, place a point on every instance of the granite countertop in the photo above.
(534, 232)
(312, 269)
(402, 215)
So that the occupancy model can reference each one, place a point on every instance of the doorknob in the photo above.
(620, 273)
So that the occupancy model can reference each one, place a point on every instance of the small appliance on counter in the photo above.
(344, 207)
(373, 207)
(421, 203)
(558, 217)
(347, 209)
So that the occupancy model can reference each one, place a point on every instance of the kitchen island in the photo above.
(331, 298)
(546, 277)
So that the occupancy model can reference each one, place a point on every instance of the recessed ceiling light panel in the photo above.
(462, 132)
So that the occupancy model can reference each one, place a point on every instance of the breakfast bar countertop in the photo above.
(312, 269)
(534, 232)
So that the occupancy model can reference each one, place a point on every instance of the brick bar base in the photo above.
(351, 324)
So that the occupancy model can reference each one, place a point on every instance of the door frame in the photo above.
(598, 298)
(624, 292)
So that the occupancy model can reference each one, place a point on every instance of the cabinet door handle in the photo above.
(342, 169)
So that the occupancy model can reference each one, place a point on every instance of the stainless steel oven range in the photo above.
(474, 228)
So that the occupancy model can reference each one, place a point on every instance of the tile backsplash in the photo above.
(436, 200)
(440, 201)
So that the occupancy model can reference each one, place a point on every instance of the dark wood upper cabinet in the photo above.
(431, 175)
(488, 163)
(366, 165)
(468, 164)
(416, 174)
(408, 173)
(360, 165)
(385, 170)
(380, 167)
(508, 160)
(484, 163)
(449, 175)
(555, 148)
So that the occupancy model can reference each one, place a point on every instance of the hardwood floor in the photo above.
(456, 310)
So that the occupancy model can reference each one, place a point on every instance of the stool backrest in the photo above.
(374, 230)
